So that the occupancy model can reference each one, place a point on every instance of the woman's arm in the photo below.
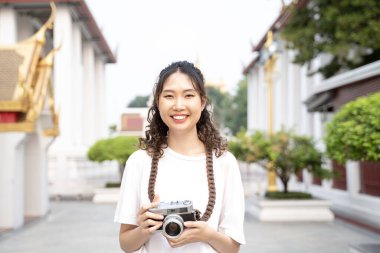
(132, 237)
(199, 231)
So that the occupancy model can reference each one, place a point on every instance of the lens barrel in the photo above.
(172, 226)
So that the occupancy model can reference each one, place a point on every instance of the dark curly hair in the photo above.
(156, 131)
(156, 134)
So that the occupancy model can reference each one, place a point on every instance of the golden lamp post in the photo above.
(270, 59)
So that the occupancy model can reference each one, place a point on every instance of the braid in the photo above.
(153, 175)
(211, 186)
(210, 180)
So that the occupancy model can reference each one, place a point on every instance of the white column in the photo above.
(77, 91)
(291, 101)
(283, 91)
(263, 109)
(36, 178)
(89, 112)
(8, 25)
(63, 77)
(250, 101)
(11, 180)
(353, 177)
(306, 117)
(100, 96)
(297, 101)
(255, 110)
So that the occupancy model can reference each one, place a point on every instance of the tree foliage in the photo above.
(236, 118)
(347, 30)
(354, 132)
(220, 102)
(284, 151)
(139, 101)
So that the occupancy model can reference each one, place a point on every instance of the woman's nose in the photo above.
(178, 104)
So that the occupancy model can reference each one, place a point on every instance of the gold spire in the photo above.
(25, 79)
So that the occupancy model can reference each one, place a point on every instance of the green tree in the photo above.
(283, 151)
(354, 132)
(236, 116)
(113, 149)
(348, 30)
(139, 101)
(220, 102)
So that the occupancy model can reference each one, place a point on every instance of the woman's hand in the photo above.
(132, 237)
(148, 221)
(195, 231)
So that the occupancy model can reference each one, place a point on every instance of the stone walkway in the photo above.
(81, 226)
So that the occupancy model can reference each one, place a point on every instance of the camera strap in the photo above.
(198, 215)
(210, 181)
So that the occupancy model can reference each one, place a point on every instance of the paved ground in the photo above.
(81, 226)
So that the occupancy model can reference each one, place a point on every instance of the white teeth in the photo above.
(179, 117)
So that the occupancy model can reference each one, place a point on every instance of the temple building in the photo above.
(52, 101)
(282, 94)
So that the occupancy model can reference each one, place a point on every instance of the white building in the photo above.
(28, 135)
(304, 104)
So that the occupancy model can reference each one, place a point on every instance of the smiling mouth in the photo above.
(179, 117)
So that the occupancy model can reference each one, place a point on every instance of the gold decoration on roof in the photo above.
(25, 82)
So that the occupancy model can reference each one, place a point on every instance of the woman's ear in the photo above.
(204, 103)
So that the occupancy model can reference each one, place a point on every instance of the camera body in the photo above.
(175, 214)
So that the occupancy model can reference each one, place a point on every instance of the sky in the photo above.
(151, 34)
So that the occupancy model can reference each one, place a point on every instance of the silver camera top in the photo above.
(173, 207)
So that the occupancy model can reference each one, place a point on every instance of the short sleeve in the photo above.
(233, 206)
(129, 199)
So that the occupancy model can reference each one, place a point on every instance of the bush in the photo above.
(288, 195)
(354, 132)
(113, 149)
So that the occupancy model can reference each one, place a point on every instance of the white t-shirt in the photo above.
(183, 177)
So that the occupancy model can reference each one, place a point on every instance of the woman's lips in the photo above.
(179, 118)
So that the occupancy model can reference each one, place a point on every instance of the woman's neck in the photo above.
(186, 144)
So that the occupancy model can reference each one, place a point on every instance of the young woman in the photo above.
(182, 157)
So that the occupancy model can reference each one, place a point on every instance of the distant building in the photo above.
(134, 121)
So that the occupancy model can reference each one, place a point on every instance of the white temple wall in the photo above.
(12, 180)
(77, 92)
(63, 77)
(100, 104)
(8, 25)
(89, 102)
(251, 101)
(36, 173)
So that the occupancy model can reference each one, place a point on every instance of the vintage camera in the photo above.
(175, 214)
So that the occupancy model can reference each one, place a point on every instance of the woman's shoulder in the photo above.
(227, 158)
(139, 156)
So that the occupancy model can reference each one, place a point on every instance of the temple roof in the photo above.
(41, 10)
(277, 25)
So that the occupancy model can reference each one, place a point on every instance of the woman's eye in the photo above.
(168, 96)
(189, 95)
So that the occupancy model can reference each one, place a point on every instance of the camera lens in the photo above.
(172, 229)
(173, 225)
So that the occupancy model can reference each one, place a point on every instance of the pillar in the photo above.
(36, 174)
(89, 112)
(11, 180)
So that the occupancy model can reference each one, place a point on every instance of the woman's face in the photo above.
(180, 104)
